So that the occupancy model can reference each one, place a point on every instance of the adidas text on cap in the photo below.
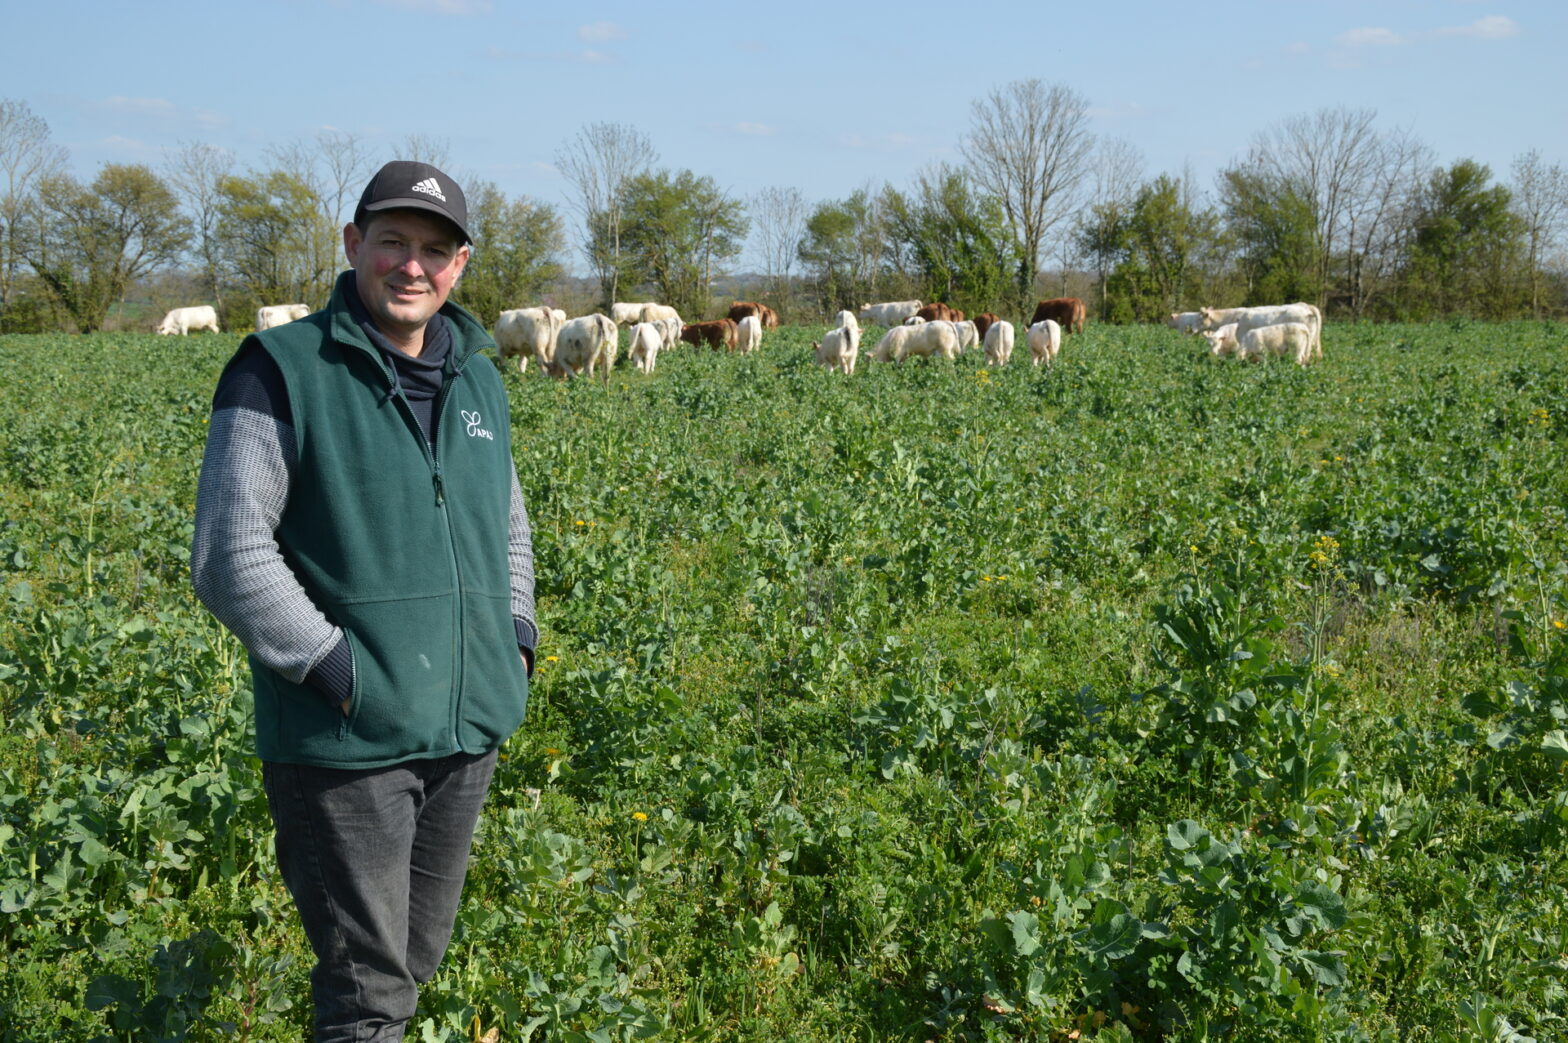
(406, 185)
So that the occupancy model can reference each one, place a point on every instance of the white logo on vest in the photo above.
(474, 430)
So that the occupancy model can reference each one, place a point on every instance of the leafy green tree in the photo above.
(517, 252)
(1167, 237)
(679, 229)
(1273, 225)
(1467, 248)
(955, 239)
(270, 229)
(842, 250)
(98, 238)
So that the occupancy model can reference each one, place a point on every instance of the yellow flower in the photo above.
(1559, 624)
(551, 751)
(640, 816)
(1195, 548)
(552, 659)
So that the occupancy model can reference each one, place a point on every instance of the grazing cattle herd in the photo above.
(567, 348)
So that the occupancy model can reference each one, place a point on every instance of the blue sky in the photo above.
(822, 96)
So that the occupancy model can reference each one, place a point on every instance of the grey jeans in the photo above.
(375, 860)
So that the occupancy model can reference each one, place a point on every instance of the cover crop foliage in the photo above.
(1142, 697)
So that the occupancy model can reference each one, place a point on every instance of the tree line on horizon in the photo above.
(1324, 207)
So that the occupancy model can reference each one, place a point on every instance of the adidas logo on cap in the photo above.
(430, 187)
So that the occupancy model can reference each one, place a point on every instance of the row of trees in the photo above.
(1326, 207)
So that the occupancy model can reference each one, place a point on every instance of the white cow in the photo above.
(748, 334)
(669, 332)
(914, 320)
(1186, 321)
(1268, 315)
(624, 314)
(999, 343)
(839, 349)
(1222, 341)
(1285, 338)
(928, 340)
(183, 320)
(1045, 340)
(584, 343)
(277, 314)
(644, 347)
(846, 319)
(888, 314)
(655, 312)
(968, 335)
(528, 333)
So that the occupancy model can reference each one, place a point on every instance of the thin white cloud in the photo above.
(141, 106)
(759, 130)
(1492, 27)
(601, 32)
(586, 56)
(124, 144)
(441, 7)
(1370, 37)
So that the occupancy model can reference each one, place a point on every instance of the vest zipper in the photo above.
(433, 458)
(459, 639)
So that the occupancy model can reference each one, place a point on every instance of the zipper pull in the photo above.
(440, 491)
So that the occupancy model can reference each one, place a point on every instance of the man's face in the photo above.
(405, 263)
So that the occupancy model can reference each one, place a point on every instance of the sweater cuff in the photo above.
(527, 640)
(333, 677)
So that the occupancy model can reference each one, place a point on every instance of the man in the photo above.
(359, 527)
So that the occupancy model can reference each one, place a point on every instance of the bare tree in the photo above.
(26, 158)
(1098, 228)
(1381, 217)
(346, 166)
(599, 163)
(1028, 146)
(424, 148)
(1327, 157)
(196, 172)
(779, 218)
(1540, 200)
(319, 244)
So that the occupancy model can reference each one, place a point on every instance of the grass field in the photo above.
(1148, 697)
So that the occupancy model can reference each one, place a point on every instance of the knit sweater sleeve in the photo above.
(520, 562)
(237, 566)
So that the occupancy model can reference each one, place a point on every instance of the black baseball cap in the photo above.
(406, 185)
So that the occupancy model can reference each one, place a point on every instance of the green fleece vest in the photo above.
(403, 548)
